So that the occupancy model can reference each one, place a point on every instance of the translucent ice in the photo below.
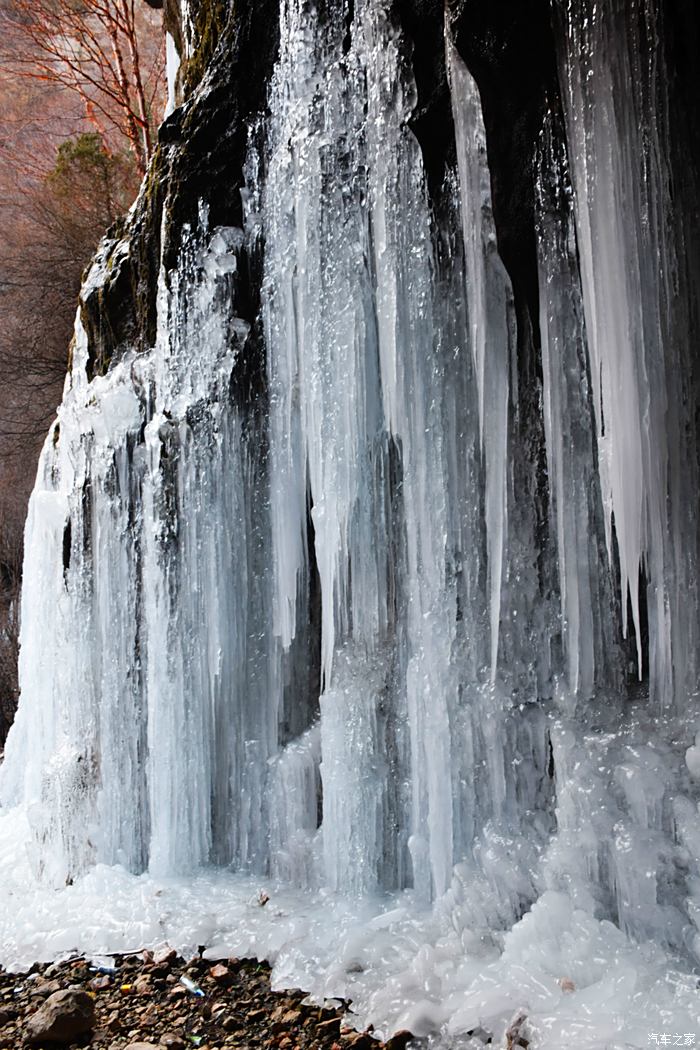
(351, 631)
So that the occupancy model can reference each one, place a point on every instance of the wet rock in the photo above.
(64, 1016)
(515, 1036)
(358, 1040)
(399, 1040)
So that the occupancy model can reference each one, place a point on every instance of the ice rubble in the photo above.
(458, 805)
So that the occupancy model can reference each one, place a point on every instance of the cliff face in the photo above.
(363, 554)
(511, 52)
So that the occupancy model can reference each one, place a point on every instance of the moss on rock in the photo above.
(209, 18)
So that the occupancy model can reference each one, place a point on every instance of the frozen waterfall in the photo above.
(319, 640)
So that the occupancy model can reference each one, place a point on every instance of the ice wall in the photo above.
(318, 636)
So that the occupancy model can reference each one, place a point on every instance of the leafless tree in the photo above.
(103, 50)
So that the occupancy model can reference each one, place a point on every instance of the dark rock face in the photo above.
(64, 1016)
(199, 158)
(509, 48)
(423, 24)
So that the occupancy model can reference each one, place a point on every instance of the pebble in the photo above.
(142, 1007)
(221, 974)
(172, 1041)
(164, 957)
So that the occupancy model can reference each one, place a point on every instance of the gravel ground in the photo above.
(143, 1003)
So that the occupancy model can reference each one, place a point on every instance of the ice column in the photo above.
(356, 429)
(489, 298)
(589, 633)
(612, 75)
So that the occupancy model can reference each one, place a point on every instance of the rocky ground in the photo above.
(147, 1002)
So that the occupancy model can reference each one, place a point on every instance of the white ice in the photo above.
(306, 632)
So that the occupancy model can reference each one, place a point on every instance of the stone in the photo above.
(142, 985)
(514, 1031)
(98, 984)
(231, 1024)
(327, 1027)
(63, 1017)
(221, 974)
(283, 1018)
(399, 1040)
(149, 1014)
(45, 988)
(141, 1046)
(164, 957)
(113, 1021)
(173, 1041)
(357, 1040)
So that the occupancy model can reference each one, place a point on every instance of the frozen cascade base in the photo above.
(402, 966)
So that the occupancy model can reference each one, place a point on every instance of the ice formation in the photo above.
(311, 636)
(172, 66)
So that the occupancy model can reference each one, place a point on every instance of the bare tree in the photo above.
(55, 227)
(103, 50)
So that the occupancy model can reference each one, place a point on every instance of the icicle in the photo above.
(613, 81)
(588, 629)
(172, 66)
(265, 637)
(489, 296)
